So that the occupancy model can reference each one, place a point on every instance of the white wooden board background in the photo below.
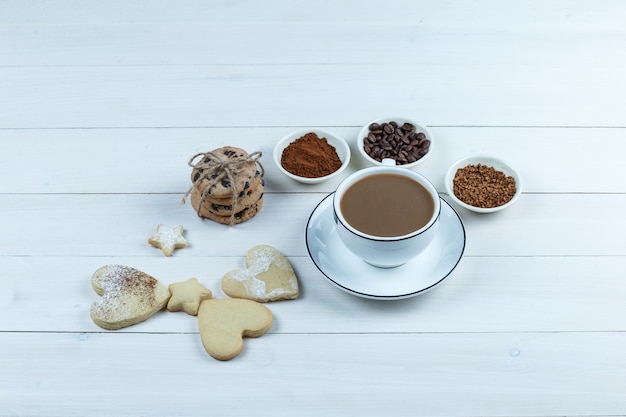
(103, 103)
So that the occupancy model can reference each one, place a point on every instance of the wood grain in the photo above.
(442, 374)
(230, 95)
(153, 160)
(102, 104)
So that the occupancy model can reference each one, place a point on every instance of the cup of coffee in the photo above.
(386, 215)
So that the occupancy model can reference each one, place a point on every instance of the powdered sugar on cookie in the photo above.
(168, 238)
(127, 296)
(268, 277)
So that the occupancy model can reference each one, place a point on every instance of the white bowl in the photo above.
(491, 161)
(341, 146)
(400, 120)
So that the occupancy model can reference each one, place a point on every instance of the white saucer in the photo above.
(348, 272)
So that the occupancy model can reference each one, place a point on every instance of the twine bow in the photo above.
(212, 169)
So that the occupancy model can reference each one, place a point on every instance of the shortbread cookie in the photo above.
(168, 238)
(128, 296)
(248, 175)
(239, 217)
(224, 206)
(268, 277)
(187, 296)
(224, 322)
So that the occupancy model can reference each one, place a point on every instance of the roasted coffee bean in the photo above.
(400, 142)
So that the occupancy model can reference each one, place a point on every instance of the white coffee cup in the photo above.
(386, 251)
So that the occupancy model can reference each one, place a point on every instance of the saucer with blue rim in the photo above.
(353, 275)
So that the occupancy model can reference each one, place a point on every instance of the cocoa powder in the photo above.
(310, 157)
(483, 186)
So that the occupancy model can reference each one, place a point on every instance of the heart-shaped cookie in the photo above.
(128, 296)
(223, 323)
(268, 277)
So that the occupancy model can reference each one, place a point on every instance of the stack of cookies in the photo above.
(227, 185)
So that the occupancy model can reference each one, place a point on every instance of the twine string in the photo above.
(212, 169)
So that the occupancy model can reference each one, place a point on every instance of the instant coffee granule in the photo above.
(483, 186)
(310, 157)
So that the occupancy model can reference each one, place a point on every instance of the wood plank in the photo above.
(103, 103)
(155, 160)
(460, 15)
(546, 294)
(481, 42)
(119, 225)
(530, 374)
(231, 95)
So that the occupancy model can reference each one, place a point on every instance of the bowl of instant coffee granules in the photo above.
(483, 184)
(311, 156)
(399, 138)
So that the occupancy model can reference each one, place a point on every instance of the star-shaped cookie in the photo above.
(187, 296)
(168, 238)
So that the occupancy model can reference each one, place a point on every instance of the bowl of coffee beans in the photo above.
(483, 184)
(402, 139)
(311, 156)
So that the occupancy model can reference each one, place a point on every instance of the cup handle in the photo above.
(389, 162)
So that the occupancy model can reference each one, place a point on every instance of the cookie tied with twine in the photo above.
(226, 176)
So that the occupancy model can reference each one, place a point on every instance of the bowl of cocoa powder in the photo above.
(311, 156)
(483, 184)
(399, 138)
